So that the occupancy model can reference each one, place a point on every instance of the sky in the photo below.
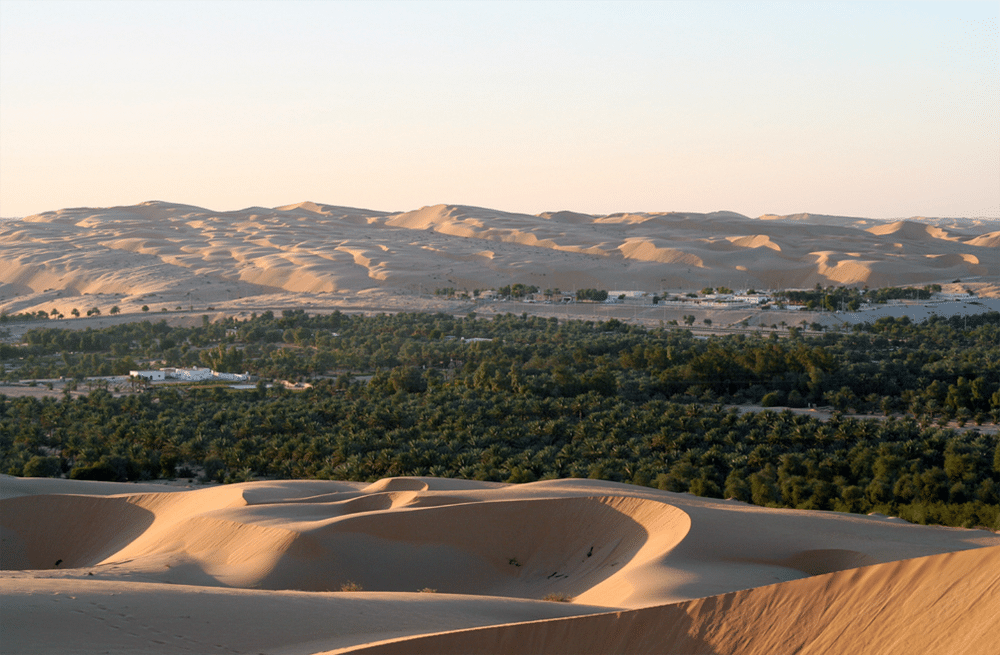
(881, 110)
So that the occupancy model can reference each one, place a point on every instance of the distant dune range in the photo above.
(458, 566)
(163, 253)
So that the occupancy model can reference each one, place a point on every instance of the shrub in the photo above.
(772, 399)
(100, 471)
(43, 467)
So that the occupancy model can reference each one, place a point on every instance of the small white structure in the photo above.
(199, 374)
(195, 374)
(152, 376)
(233, 377)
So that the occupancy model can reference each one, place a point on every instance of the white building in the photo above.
(196, 374)
(753, 300)
(199, 374)
(152, 376)
(234, 377)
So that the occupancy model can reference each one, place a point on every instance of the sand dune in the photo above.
(755, 241)
(647, 250)
(642, 568)
(163, 254)
(989, 240)
(939, 604)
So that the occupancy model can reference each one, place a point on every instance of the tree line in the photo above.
(543, 398)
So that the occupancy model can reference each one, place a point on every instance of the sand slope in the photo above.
(133, 564)
(939, 604)
(53, 616)
(168, 255)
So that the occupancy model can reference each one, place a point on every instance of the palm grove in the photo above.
(521, 398)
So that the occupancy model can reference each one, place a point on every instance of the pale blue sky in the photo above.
(871, 109)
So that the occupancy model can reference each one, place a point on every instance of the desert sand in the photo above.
(410, 565)
(168, 256)
(454, 566)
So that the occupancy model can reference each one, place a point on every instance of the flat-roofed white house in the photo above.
(194, 374)
(153, 376)
(231, 377)
(752, 299)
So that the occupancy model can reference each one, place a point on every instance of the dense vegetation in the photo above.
(541, 399)
(595, 295)
(850, 298)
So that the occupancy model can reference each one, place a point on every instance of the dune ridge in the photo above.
(169, 253)
(639, 566)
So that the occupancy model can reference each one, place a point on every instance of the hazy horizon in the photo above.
(876, 110)
(501, 209)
